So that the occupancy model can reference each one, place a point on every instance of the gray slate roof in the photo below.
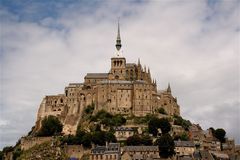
(115, 82)
(140, 148)
(110, 148)
(124, 129)
(96, 75)
(130, 64)
(184, 144)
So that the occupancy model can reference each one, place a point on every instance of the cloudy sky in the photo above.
(194, 45)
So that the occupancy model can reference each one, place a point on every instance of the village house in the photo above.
(140, 152)
(122, 133)
(184, 148)
(109, 152)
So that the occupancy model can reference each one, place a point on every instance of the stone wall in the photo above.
(29, 142)
(76, 151)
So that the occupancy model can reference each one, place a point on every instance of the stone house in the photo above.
(184, 148)
(122, 133)
(139, 152)
(111, 151)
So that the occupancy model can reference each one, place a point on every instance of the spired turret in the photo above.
(169, 88)
(118, 41)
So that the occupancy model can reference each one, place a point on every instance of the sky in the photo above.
(193, 45)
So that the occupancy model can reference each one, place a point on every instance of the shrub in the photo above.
(156, 123)
(50, 126)
(178, 120)
(161, 110)
(166, 146)
(89, 109)
(134, 140)
(108, 119)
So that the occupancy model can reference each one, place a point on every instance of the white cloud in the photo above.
(191, 45)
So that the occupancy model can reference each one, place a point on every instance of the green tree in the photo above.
(166, 146)
(7, 149)
(86, 140)
(108, 119)
(110, 137)
(70, 140)
(98, 138)
(156, 123)
(153, 126)
(17, 152)
(89, 109)
(146, 140)
(1, 155)
(220, 135)
(164, 125)
(161, 110)
(134, 140)
(183, 137)
(50, 126)
(118, 120)
(178, 120)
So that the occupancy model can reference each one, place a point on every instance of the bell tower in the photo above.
(118, 63)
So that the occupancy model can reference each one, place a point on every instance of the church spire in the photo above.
(118, 41)
(169, 88)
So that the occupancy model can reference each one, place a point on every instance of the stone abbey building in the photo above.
(127, 89)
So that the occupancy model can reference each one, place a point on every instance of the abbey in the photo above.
(127, 89)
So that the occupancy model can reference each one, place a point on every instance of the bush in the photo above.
(98, 138)
(7, 149)
(220, 134)
(146, 140)
(183, 137)
(86, 140)
(110, 137)
(156, 123)
(17, 152)
(1, 155)
(139, 140)
(144, 120)
(178, 120)
(50, 126)
(166, 146)
(108, 119)
(162, 111)
(134, 140)
(89, 109)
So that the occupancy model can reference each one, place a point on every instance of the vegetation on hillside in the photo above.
(48, 150)
(96, 137)
(155, 123)
(166, 146)
(183, 137)
(161, 110)
(178, 120)
(139, 140)
(108, 119)
(50, 126)
(143, 120)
